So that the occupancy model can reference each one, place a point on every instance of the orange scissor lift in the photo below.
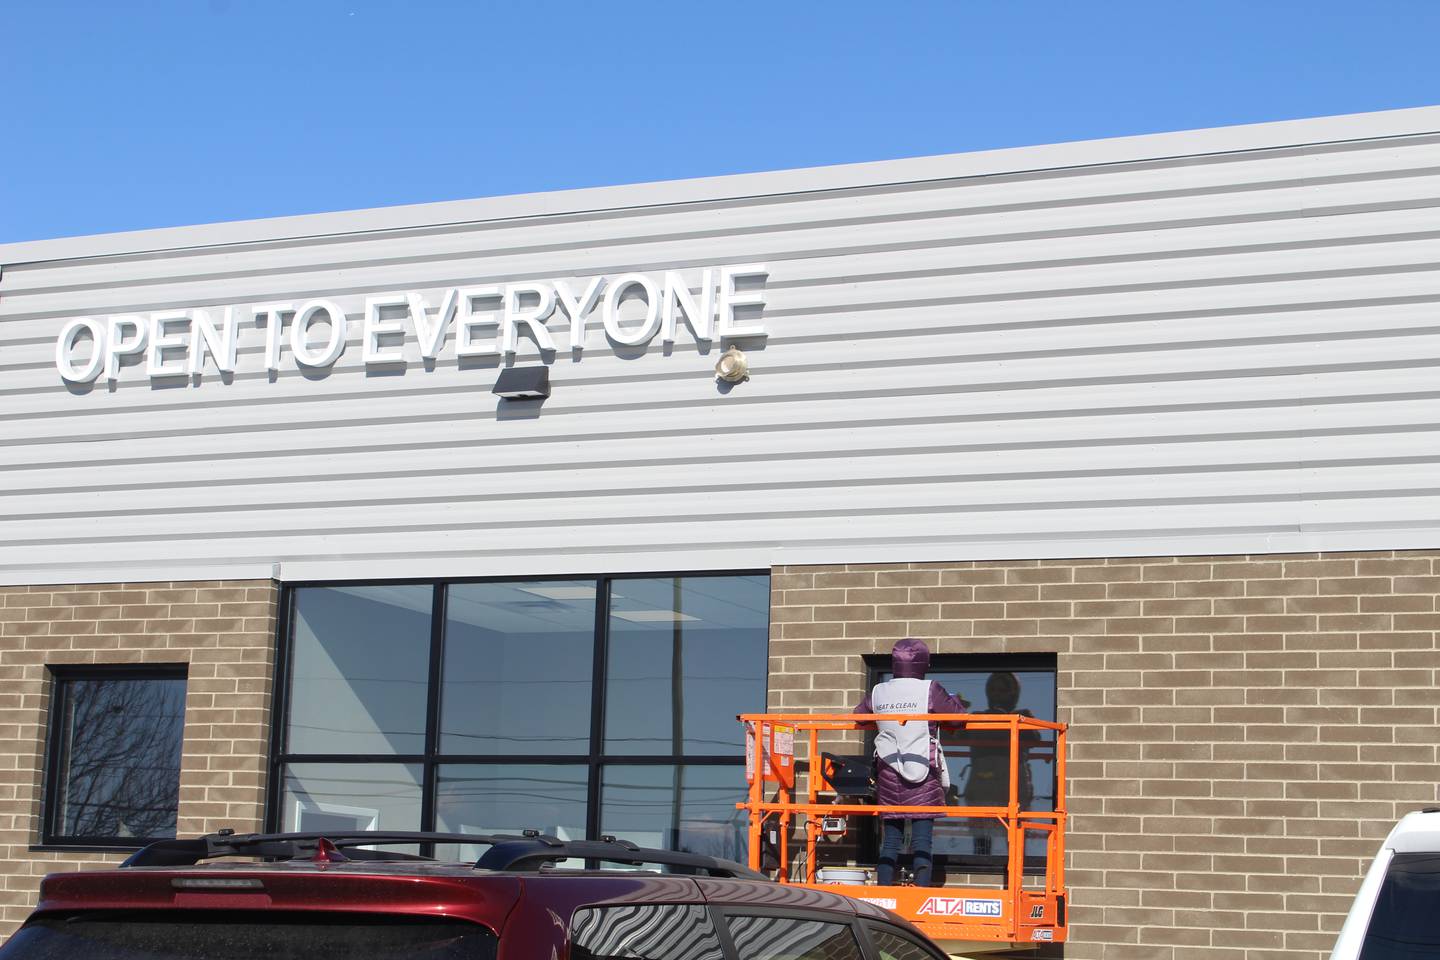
(963, 920)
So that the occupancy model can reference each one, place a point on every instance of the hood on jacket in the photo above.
(910, 658)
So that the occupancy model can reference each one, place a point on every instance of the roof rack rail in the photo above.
(530, 853)
(529, 850)
(292, 846)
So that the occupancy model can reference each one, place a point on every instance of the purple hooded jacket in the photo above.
(911, 658)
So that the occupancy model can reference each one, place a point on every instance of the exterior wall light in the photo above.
(523, 383)
(732, 366)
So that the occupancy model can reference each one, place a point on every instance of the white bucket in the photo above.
(855, 875)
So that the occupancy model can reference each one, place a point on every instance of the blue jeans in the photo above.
(922, 833)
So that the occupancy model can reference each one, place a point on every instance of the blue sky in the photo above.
(128, 115)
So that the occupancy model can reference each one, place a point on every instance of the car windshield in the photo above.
(271, 935)
(1405, 924)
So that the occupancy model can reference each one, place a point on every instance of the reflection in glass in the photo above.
(686, 655)
(787, 938)
(348, 797)
(689, 808)
(119, 761)
(519, 665)
(509, 798)
(979, 760)
(892, 946)
(669, 931)
(1404, 924)
(361, 664)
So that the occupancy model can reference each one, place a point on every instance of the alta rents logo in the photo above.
(959, 906)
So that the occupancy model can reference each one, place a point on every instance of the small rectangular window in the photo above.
(979, 761)
(114, 757)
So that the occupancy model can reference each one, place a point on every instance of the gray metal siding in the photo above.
(1227, 353)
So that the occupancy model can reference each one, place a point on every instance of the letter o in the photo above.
(65, 346)
(332, 350)
(647, 330)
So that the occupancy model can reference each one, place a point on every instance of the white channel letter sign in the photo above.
(632, 308)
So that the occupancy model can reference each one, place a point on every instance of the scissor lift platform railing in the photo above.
(961, 919)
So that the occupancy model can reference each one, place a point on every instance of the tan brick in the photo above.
(108, 623)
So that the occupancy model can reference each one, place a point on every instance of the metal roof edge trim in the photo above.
(1411, 121)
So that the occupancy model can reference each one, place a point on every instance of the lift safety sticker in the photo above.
(784, 742)
(959, 906)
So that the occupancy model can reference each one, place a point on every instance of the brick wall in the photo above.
(225, 631)
(1244, 730)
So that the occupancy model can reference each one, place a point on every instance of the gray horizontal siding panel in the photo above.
(1006, 357)
(1222, 145)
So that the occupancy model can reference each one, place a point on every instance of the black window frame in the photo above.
(60, 675)
(432, 760)
(877, 664)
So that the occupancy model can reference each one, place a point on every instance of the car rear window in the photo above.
(251, 936)
(1405, 925)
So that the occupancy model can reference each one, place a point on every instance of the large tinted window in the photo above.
(509, 798)
(360, 663)
(1405, 924)
(114, 764)
(683, 651)
(577, 706)
(350, 797)
(269, 936)
(682, 807)
(519, 665)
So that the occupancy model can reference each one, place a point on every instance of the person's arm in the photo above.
(864, 707)
(942, 702)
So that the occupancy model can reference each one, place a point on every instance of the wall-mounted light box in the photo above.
(523, 383)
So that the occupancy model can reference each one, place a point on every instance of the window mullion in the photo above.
(433, 707)
(280, 705)
(597, 706)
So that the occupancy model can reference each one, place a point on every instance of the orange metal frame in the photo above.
(1015, 913)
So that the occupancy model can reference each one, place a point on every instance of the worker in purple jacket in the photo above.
(908, 754)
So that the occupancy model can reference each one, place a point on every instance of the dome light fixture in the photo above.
(732, 367)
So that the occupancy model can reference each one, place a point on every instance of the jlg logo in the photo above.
(1037, 911)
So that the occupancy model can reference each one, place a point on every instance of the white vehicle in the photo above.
(1396, 914)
